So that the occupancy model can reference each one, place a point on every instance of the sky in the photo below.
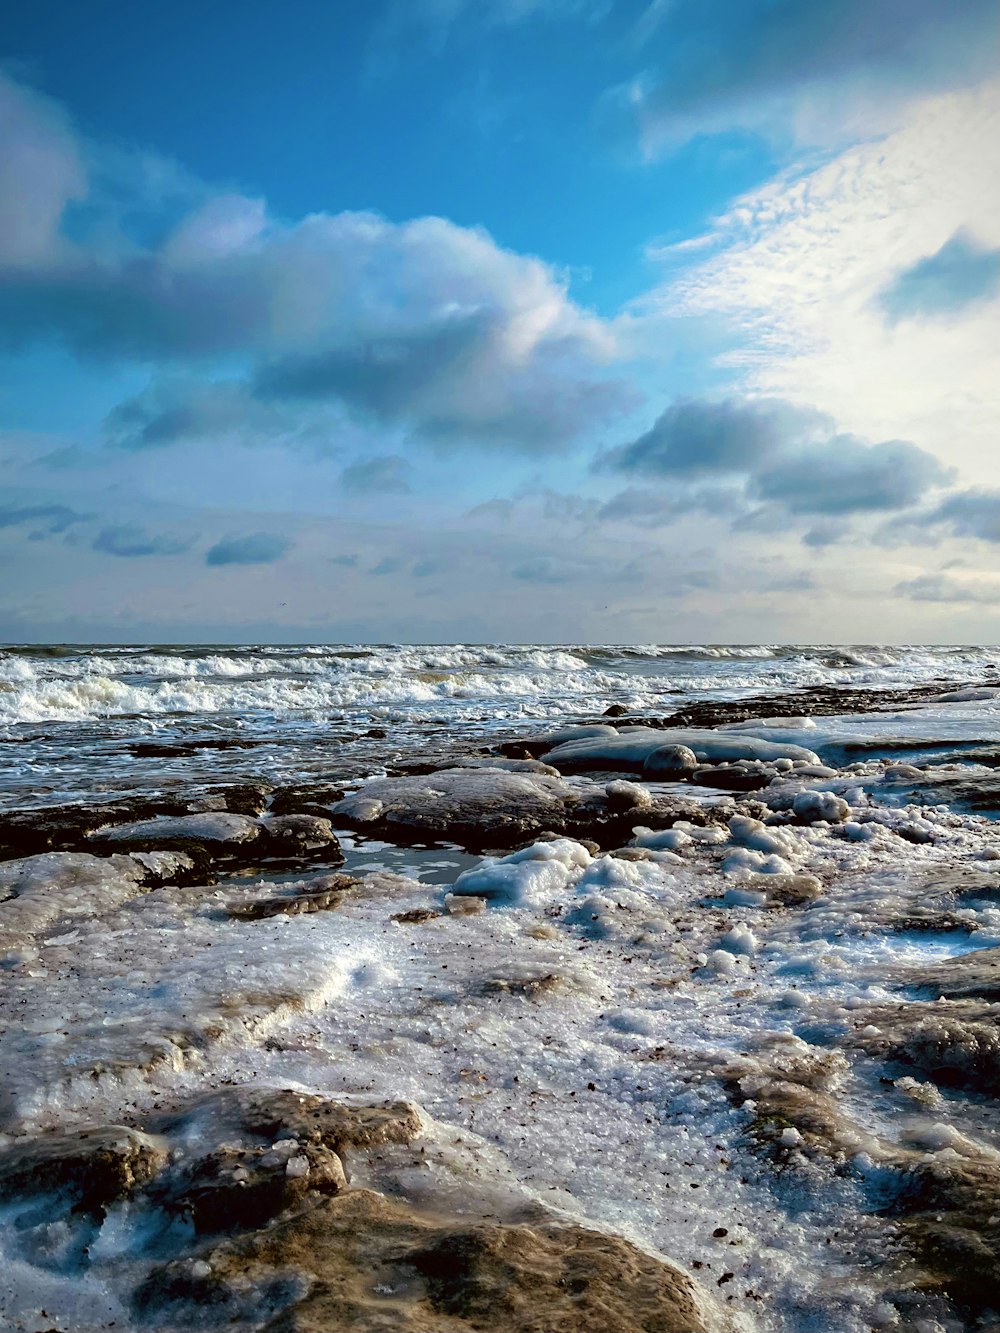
(500, 320)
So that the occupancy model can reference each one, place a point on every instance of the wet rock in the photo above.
(208, 829)
(323, 894)
(488, 809)
(365, 1261)
(69, 827)
(416, 917)
(547, 740)
(306, 798)
(956, 1044)
(94, 1167)
(811, 701)
(469, 806)
(735, 777)
(670, 763)
(242, 1189)
(424, 767)
(970, 976)
(278, 1113)
(947, 1212)
(298, 834)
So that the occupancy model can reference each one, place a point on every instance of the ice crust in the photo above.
(635, 747)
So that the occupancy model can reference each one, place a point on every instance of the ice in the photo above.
(744, 861)
(211, 828)
(63, 886)
(587, 1027)
(634, 747)
(533, 876)
(827, 805)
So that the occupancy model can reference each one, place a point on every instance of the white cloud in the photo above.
(423, 324)
(798, 267)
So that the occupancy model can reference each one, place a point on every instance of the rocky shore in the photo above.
(674, 1023)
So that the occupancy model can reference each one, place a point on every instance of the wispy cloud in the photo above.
(944, 588)
(257, 548)
(129, 541)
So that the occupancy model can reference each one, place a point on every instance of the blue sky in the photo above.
(503, 319)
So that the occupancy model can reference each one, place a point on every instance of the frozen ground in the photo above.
(755, 1034)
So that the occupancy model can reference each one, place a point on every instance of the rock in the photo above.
(547, 740)
(734, 777)
(369, 1262)
(416, 917)
(424, 767)
(306, 798)
(970, 976)
(616, 710)
(208, 829)
(465, 805)
(325, 893)
(670, 762)
(956, 1044)
(94, 1167)
(627, 796)
(295, 835)
(490, 809)
(531, 987)
(947, 1212)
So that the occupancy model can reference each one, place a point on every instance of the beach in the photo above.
(514, 987)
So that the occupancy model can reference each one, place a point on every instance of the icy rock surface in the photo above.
(755, 1038)
(210, 827)
(633, 747)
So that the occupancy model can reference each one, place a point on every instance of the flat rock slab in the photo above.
(493, 808)
(634, 749)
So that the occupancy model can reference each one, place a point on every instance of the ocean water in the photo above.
(76, 720)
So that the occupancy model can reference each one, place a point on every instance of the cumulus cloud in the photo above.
(781, 454)
(423, 323)
(846, 475)
(807, 71)
(697, 437)
(380, 475)
(943, 588)
(129, 541)
(961, 272)
(971, 513)
(257, 548)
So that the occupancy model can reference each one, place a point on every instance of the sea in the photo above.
(83, 719)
